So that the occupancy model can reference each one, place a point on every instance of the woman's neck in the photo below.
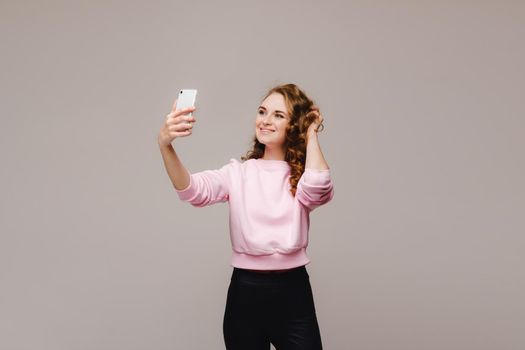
(272, 154)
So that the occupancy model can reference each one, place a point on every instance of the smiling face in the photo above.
(271, 121)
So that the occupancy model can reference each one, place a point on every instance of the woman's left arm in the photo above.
(314, 156)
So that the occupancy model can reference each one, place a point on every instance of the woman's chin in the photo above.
(262, 139)
(267, 141)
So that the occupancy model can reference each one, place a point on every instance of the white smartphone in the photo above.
(186, 99)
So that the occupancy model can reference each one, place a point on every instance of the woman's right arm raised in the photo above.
(177, 124)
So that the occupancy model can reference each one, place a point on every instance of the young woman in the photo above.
(282, 178)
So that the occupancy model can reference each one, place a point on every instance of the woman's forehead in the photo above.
(275, 101)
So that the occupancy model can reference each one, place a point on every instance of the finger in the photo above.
(191, 118)
(184, 111)
(180, 127)
(177, 112)
(313, 112)
(314, 116)
(180, 119)
(180, 134)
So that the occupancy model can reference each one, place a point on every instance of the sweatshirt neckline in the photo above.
(272, 163)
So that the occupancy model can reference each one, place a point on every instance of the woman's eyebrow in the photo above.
(275, 111)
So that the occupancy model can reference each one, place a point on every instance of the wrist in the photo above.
(163, 145)
(311, 133)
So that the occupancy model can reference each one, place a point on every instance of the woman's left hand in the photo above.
(314, 127)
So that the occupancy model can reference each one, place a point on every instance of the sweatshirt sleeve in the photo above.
(208, 187)
(314, 188)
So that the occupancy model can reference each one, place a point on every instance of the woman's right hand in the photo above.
(177, 124)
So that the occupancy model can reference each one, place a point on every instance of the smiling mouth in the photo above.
(266, 130)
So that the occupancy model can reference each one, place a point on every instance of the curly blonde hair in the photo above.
(300, 108)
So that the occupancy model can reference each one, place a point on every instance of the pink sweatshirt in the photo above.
(268, 225)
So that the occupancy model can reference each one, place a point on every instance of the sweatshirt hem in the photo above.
(275, 261)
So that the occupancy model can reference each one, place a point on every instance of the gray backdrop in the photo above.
(421, 248)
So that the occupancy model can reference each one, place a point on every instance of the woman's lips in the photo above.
(265, 131)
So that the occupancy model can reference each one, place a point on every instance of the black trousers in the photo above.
(276, 308)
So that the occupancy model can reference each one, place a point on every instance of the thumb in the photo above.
(174, 105)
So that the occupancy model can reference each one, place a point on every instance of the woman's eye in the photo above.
(261, 111)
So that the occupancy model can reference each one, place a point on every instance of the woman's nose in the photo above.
(266, 119)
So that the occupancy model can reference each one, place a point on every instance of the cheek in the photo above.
(282, 131)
